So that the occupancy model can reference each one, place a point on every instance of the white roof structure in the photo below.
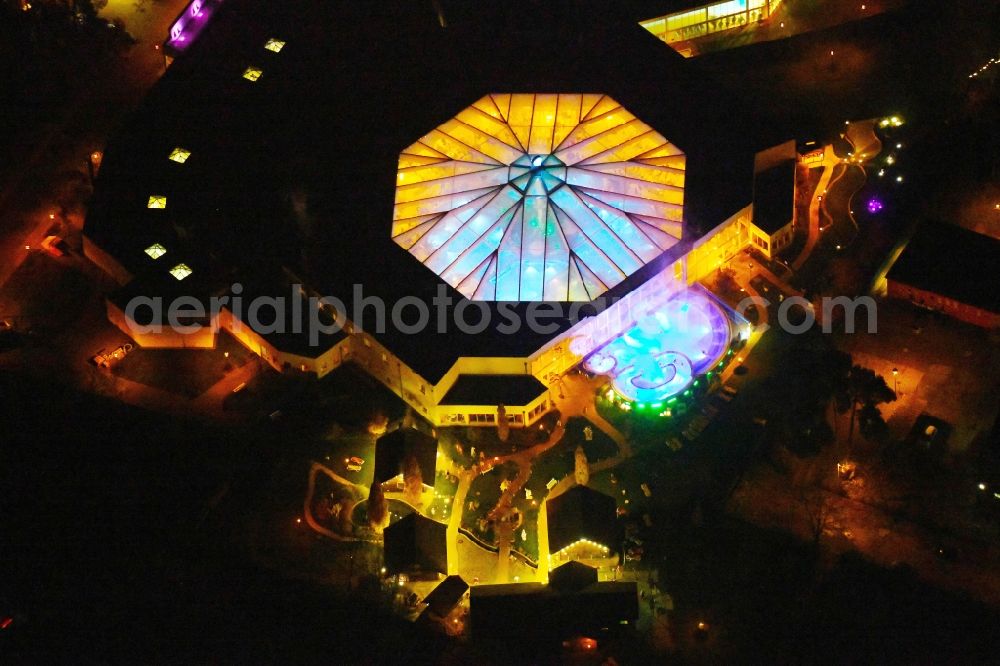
(531, 197)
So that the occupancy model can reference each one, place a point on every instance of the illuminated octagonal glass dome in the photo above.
(531, 197)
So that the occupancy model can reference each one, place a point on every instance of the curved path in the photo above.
(866, 146)
(315, 469)
(830, 160)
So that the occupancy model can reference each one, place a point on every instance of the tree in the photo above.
(817, 510)
(378, 425)
(817, 373)
(413, 483)
(581, 469)
(871, 424)
(726, 283)
(503, 424)
(346, 525)
(866, 389)
(378, 508)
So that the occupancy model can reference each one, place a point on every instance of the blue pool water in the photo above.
(663, 352)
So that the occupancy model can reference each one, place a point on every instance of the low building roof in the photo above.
(533, 610)
(951, 261)
(582, 513)
(494, 390)
(170, 279)
(446, 596)
(416, 544)
(774, 197)
(572, 576)
(393, 449)
(298, 169)
(282, 322)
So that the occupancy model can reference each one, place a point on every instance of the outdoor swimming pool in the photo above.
(662, 353)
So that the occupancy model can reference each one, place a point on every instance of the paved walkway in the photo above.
(866, 146)
(576, 395)
(209, 404)
(315, 470)
(830, 160)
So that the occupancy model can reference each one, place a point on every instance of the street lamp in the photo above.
(895, 380)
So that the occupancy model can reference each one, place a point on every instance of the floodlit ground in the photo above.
(186, 372)
(847, 525)
(947, 369)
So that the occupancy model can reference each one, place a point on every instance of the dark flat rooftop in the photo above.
(534, 611)
(774, 197)
(298, 169)
(583, 513)
(415, 543)
(284, 326)
(953, 262)
(494, 390)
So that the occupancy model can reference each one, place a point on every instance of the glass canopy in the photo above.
(539, 197)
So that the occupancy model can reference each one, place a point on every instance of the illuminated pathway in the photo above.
(866, 147)
(316, 469)
(576, 398)
(830, 160)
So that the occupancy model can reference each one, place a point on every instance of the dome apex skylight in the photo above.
(539, 197)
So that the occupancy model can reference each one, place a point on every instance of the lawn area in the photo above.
(483, 496)
(444, 494)
(529, 544)
(460, 440)
(339, 447)
(646, 428)
(187, 372)
(559, 461)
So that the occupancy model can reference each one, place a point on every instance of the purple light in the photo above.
(874, 206)
(191, 22)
